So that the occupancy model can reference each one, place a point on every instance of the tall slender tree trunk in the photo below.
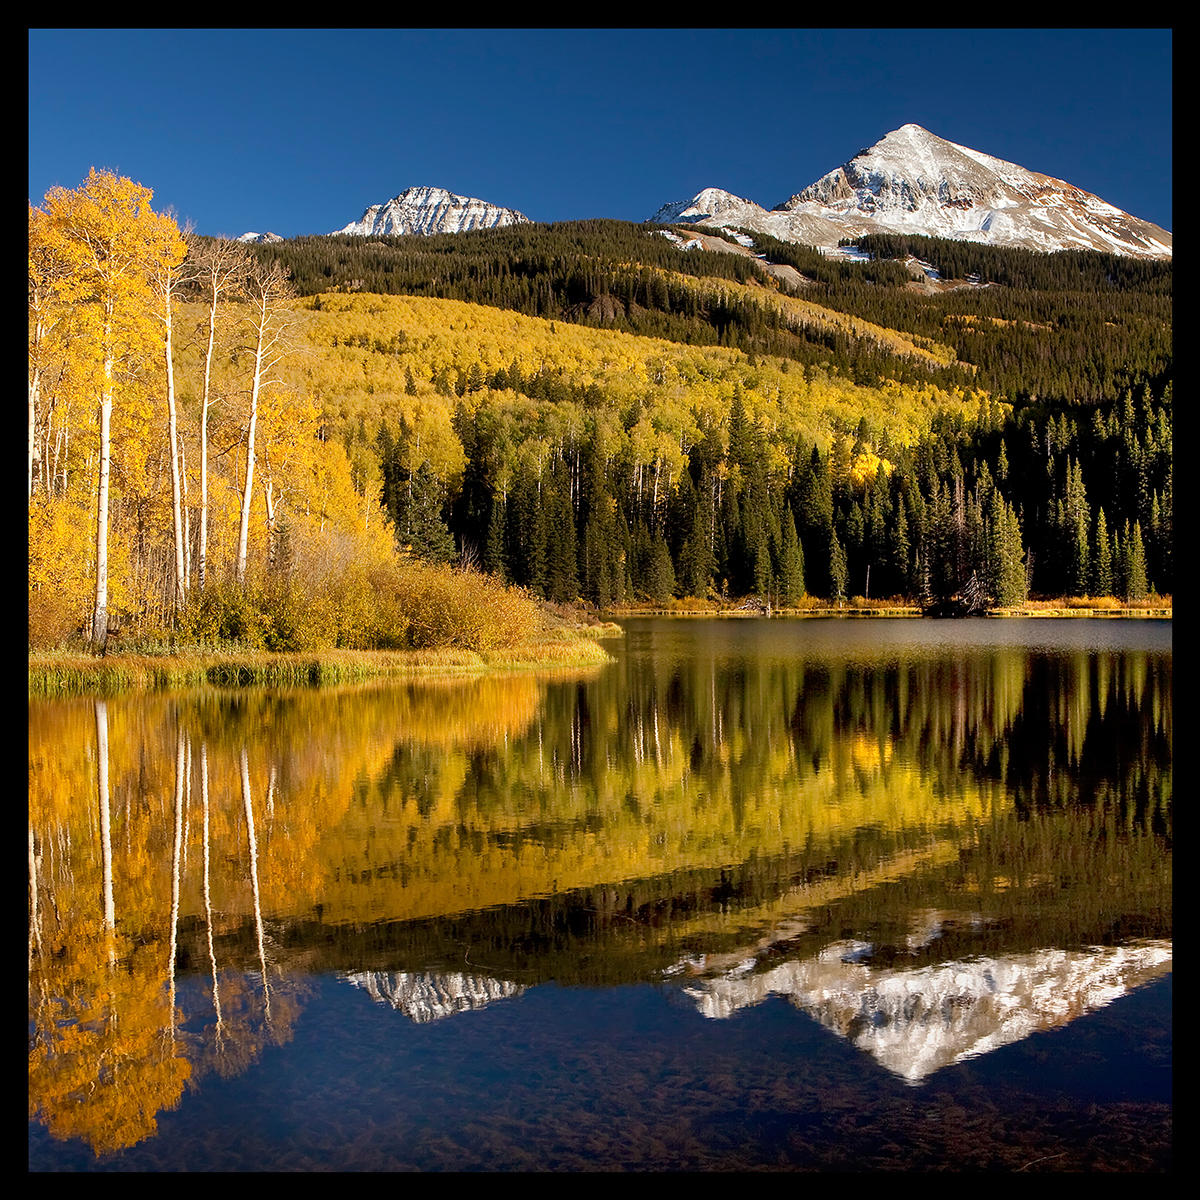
(108, 906)
(100, 608)
(248, 490)
(205, 400)
(35, 918)
(258, 921)
(269, 500)
(212, 954)
(176, 870)
(34, 389)
(173, 435)
(187, 519)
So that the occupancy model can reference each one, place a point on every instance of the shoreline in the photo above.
(1158, 612)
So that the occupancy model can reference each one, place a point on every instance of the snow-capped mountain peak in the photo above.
(706, 204)
(912, 181)
(432, 210)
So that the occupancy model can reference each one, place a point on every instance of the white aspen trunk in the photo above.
(100, 608)
(34, 388)
(176, 854)
(50, 460)
(61, 442)
(212, 954)
(202, 563)
(173, 437)
(258, 923)
(269, 498)
(35, 921)
(109, 909)
(247, 492)
(187, 518)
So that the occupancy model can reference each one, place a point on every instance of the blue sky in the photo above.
(299, 130)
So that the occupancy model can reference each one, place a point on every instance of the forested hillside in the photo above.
(247, 443)
(1006, 427)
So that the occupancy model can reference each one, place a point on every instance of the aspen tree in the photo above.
(113, 244)
(47, 273)
(268, 291)
(218, 271)
(167, 281)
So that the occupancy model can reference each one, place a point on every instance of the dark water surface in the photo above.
(790, 894)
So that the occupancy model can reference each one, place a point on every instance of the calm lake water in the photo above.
(788, 894)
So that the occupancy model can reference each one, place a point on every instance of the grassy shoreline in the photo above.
(67, 673)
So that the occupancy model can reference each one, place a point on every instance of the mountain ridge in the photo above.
(910, 181)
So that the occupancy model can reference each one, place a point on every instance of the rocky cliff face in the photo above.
(432, 210)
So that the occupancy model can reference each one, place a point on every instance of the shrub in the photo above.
(449, 607)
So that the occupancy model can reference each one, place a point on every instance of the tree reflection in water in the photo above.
(716, 818)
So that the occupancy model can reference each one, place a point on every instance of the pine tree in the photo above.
(837, 569)
(1135, 563)
(791, 564)
(424, 530)
(660, 574)
(493, 552)
(1102, 564)
(1005, 573)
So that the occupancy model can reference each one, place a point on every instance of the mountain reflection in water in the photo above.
(931, 847)
(917, 1021)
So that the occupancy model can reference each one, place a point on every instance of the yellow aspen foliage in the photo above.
(110, 247)
(865, 466)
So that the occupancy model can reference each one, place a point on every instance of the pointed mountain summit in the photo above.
(912, 181)
(704, 205)
(431, 210)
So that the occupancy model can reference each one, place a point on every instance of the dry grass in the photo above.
(1089, 606)
(58, 673)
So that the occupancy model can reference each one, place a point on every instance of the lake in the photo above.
(831, 895)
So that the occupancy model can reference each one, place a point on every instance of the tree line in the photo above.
(1042, 501)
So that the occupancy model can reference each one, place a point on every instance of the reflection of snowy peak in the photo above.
(432, 210)
(426, 997)
(916, 1022)
(912, 181)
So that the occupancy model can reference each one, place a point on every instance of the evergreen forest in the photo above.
(1046, 471)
